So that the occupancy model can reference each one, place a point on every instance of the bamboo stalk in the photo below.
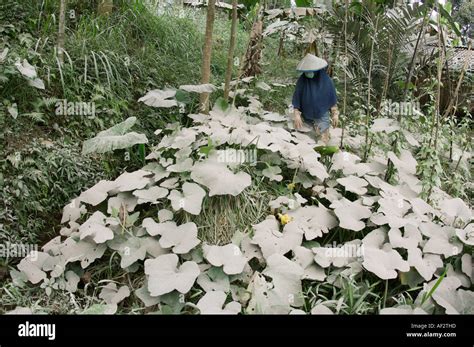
(206, 54)
(344, 102)
(230, 56)
(436, 116)
(369, 81)
(61, 30)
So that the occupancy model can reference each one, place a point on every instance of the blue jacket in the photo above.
(314, 96)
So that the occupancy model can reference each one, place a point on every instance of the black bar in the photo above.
(382, 330)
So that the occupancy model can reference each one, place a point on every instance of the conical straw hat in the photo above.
(311, 63)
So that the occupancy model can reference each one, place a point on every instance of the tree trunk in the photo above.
(206, 54)
(369, 79)
(251, 66)
(61, 30)
(346, 59)
(230, 56)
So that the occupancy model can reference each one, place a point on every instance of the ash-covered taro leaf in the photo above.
(305, 258)
(273, 117)
(456, 209)
(182, 165)
(101, 309)
(442, 239)
(150, 195)
(271, 240)
(321, 309)
(73, 211)
(421, 208)
(283, 200)
(214, 279)
(33, 266)
(165, 215)
(313, 221)
(111, 295)
(133, 180)
(426, 264)
(467, 266)
(250, 250)
(380, 258)
(159, 98)
(98, 193)
(406, 163)
(26, 69)
(286, 278)
(181, 238)
(229, 257)
(349, 164)
(410, 239)
(123, 200)
(452, 299)
(351, 213)
(180, 139)
(219, 179)
(273, 173)
(353, 184)
(95, 229)
(392, 208)
(198, 88)
(213, 303)
(132, 248)
(341, 256)
(189, 200)
(114, 138)
(153, 228)
(170, 183)
(84, 251)
(259, 301)
(29, 72)
(158, 171)
(384, 125)
(164, 274)
(144, 295)
(466, 235)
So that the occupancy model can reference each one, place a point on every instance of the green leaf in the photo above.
(445, 14)
(206, 149)
(326, 150)
(141, 152)
(221, 104)
(436, 285)
(182, 97)
(132, 219)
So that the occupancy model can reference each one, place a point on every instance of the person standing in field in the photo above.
(315, 98)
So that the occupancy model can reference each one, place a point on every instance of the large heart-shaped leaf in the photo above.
(114, 138)
(164, 275)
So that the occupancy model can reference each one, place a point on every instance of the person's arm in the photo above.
(296, 102)
(297, 121)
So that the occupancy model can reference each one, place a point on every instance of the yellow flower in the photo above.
(291, 186)
(284, 218)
